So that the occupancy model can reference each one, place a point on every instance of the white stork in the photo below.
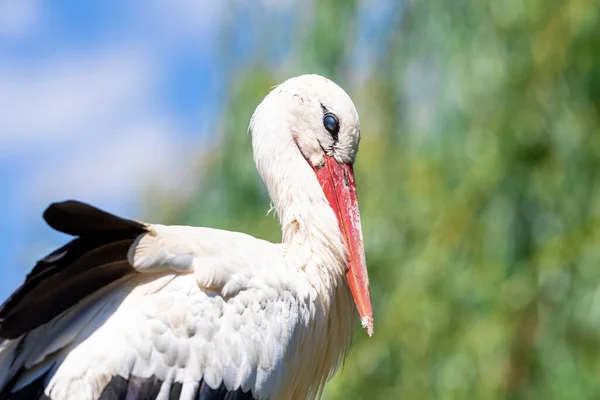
(130, 310)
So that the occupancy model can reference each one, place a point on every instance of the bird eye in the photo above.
(331, 123)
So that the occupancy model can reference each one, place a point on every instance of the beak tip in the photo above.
(367, 323)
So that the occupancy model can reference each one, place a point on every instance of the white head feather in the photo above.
(289, 137)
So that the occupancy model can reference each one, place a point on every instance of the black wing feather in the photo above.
(175, 392)
(33, 391)
(135, 388)
(80, 219)
(93, 260)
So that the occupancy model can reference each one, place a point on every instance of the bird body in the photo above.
(135, 310)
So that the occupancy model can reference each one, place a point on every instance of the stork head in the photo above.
(310, 125)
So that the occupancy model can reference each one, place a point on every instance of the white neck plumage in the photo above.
(314, 244)
(311, 238)
(306, 218)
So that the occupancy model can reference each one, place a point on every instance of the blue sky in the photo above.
(100, 99)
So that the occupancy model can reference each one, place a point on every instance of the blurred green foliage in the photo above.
(478, 179)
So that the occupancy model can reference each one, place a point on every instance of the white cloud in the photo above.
(186, 18)
(19, 17)
(46, 101)
(115, 165)
(89, 126)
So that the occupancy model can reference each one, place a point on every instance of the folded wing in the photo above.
(97, 257)
(133, 310)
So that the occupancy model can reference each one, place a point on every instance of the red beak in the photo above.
(337, 181)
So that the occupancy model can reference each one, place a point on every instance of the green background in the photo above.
(478, 185)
